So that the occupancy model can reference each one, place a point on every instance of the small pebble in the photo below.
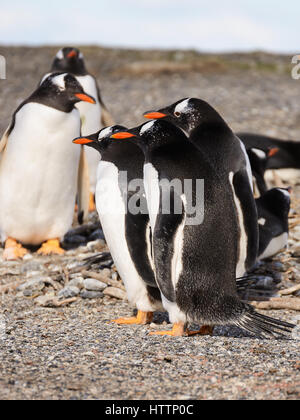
(86, 294)
(68, 292)
(94, 285)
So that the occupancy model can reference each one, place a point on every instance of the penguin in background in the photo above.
(127, 233)
(284, 166)
(259, 161)
(39, 167)
(273, 219)
(93, 118)
(195, 260)
(208, 131)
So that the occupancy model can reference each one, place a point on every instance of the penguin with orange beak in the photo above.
(39, 167)
(93, 118)
(123, 213)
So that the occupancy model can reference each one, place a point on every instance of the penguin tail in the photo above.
(245, 282)
(263, 326)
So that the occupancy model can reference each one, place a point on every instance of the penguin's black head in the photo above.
(279, 201)
(187, 114)
(62, 91)
(102, 139)
(259, 158)
(69, 60)
(152, 135)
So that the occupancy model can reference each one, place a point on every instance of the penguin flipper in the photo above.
(166, 251)
(83, 186)
(244, 193)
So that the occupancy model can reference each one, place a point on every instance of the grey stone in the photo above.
(86, 294)
(77, 282)
(94, 285)
(68, 292)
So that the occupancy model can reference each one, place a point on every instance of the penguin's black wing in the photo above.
(164, 243)
(245, 196)
(139, 242)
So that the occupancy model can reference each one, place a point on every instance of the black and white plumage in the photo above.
(286, 162)
(39, 163)
(227, 155)
(93, 118)
(195, 264)
(128, 235)
(273, 211)
(259, 162)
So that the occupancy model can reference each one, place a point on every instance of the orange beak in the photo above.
(82, 140)
(72, 54)
(122, 135)
(273, 152)
(85, 98)
(154, 115)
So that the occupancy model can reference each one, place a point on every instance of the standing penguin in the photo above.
(195, 249)
(273, 218)
(127, 230)
(227, 155)
(94, 117)
(39, 167)
(259, 161)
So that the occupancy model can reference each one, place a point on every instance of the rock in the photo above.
(75, 239)
(264, 282)
(33, 286)
(76, 282)
(296, 252)
(115, 292)
(69, 292)
(94, 285)
(46, 300)
(96, 235)
(86, 294)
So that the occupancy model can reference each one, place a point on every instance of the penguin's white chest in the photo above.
(38, 174)
(91, 123)
(112, 213)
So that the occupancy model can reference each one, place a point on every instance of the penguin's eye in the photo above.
(177, 114)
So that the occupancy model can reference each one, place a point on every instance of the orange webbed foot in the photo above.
(51, 247)
(92, 204)
(13, 250)
(179, 330)
(142, 318)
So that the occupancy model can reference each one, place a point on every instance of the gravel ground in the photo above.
(55, 348)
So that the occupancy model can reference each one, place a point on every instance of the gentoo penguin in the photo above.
(258, 161)
(286, 162)
(273, 218)
(195, 234)
(93, 118)
(127, 230)
(39, 167)
(226, 153)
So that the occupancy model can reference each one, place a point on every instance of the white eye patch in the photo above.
(182, 106)
(105, 133)
(285, 192)
(81, 56)
(262, 222)
(60, 55)
(259, 153)
(44, 78)
(147, 127)
(59, 81)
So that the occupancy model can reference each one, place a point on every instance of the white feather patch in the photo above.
(182, 106)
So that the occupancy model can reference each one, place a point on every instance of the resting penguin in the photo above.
(39, 167)
(93, 118)
(286, 162)
(127, 232)
(259, 161)
(273, 218)
(195, 253)
(209, 132)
